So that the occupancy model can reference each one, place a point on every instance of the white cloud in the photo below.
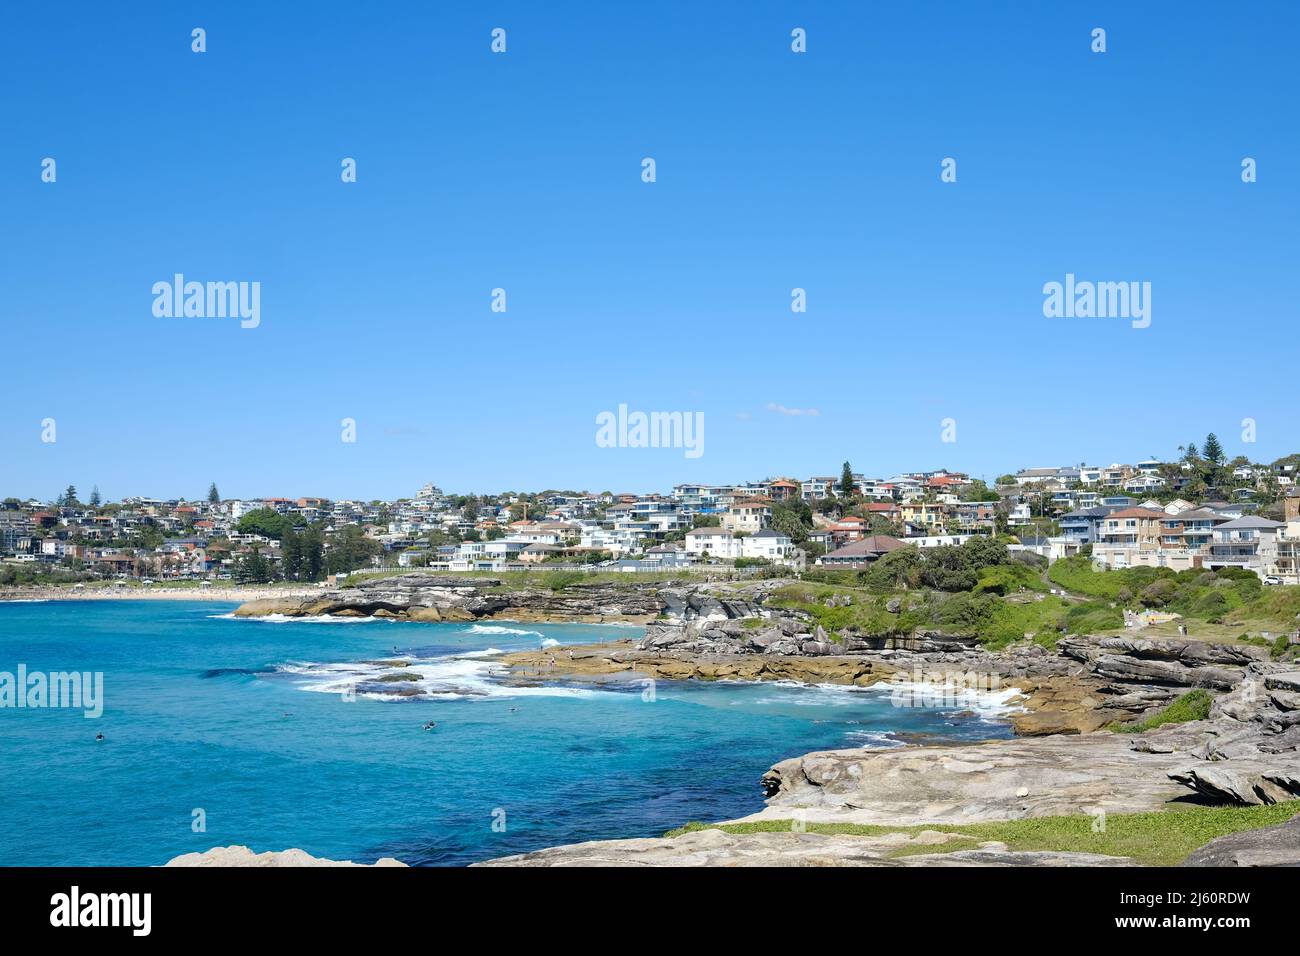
(782, 410)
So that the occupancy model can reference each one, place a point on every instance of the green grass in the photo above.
(1156, 838)
(866, 615)
(1008, 579)
(996, 621)
(1194, 705)
(1222, 603)
(1093, 616)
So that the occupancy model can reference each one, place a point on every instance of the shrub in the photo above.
(1092, 617)
(1158, 593)
(1194, 705)
(1007, 579)
(966, 612)
(560, 580)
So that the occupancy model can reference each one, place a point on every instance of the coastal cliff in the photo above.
(1092, 739)
(433, 598)
(1065, 765)
(937, 805)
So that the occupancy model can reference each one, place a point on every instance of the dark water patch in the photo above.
(235, 671)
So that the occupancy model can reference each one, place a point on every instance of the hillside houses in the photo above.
(1149, 513)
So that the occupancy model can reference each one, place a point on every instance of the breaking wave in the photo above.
(499, 629)
(468, 676)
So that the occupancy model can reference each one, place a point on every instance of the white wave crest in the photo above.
(466, 676)
(499, 629)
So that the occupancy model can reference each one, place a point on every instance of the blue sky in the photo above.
(522, 171)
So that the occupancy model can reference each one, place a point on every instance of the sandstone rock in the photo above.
(1123, 667)
(713, 847)
(1285, 699)
(243, 856)
(972, 783)
(1190, 653)
(432, 597)
(1268, 846)
(1285, 681)
(1243, 782)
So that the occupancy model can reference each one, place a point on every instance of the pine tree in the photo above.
(69, 499)
(95, 500)
(846, 481)
(313, 557)
(214, 496)
(291, 555)
(254, 569)
(1212, 450)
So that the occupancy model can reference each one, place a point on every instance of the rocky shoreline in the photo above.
(1063, 761)
(435, 598)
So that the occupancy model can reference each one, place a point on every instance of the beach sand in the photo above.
(233, 593)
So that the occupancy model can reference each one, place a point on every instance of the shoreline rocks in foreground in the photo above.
(714, 847)
(243, 856)
(1247, 751)
(435, 598)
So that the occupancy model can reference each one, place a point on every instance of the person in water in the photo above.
(99, 736)
(430, 725)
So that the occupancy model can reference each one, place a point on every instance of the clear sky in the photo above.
(522, 170)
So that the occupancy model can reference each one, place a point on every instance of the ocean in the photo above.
(278, 734)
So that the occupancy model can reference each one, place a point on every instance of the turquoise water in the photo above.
(252, 723)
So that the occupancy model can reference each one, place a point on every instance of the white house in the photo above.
(776, 546)
(712, 542)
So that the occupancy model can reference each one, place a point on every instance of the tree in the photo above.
(793, 518)
(69, 499)
(979, 491)
(312, 550)
(350, 549)
(846, 480)
(214, 496)
(291, 555)
(1212, 451)
(253, 569)
(95, 500)
(267, 522)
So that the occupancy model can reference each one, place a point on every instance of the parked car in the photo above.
(1272, 579)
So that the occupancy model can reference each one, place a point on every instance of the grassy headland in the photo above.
(1159, 838)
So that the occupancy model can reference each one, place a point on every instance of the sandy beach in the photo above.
(234, 593)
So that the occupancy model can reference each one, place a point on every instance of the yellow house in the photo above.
(929, 514)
